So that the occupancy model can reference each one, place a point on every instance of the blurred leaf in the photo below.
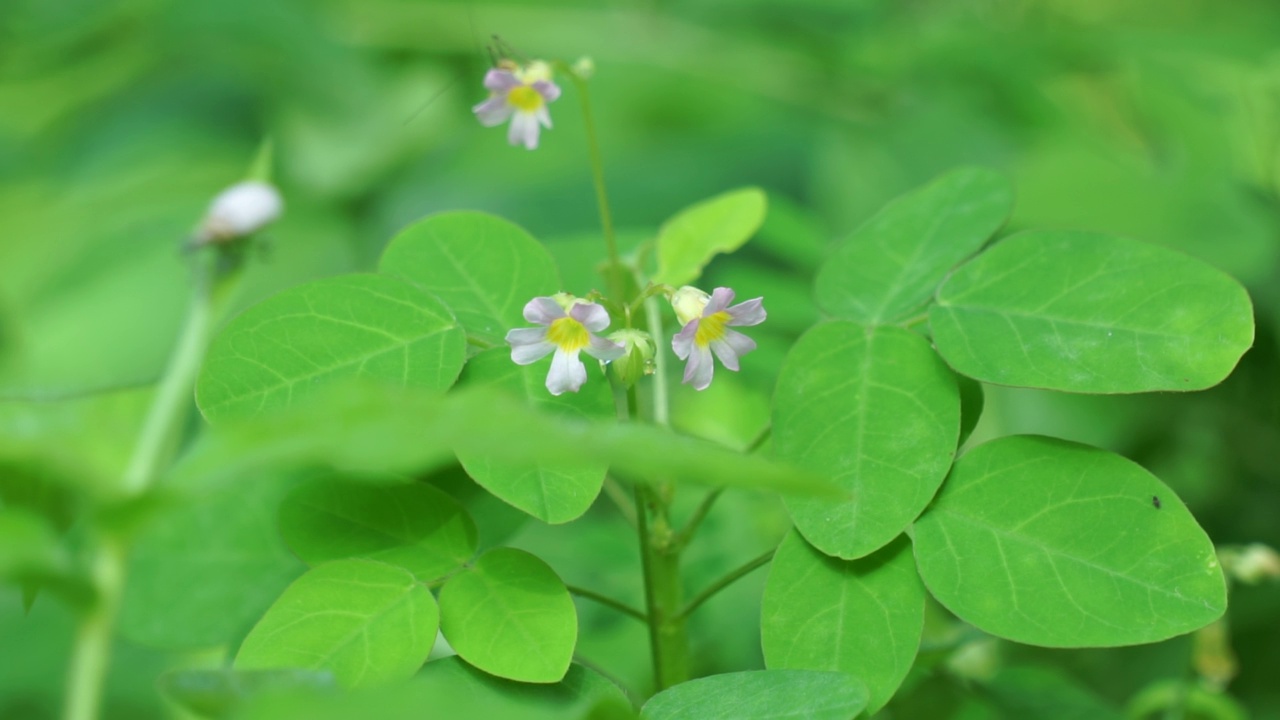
(554, 492)
(32, 556)
(861, 617)
(1042, 693)
(890, 266)
(495, 520)
(413, 525)
(879, 413)
(206, 569)
(511, 616)
(1193, 701)
(761, 695)
(1051, 543)
(1083, 312)
(688, 241)
(355, 326)
(483, 267)
(367, 622)
(973, 400)
(218, 693)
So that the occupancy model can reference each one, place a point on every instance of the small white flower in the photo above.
(521, 95)
(707, 319)
(566, 334)
(240, 210)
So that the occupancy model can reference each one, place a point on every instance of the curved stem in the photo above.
(725, 582)
(618, 605)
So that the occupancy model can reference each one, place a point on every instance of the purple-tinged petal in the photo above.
(528, 354)
(732, 346)
(750, 312)
(603, 349)
(524, 130)
(500, 81)
(544, 116)
(494, 111)
(592, 316)
(720, 299)
(682, 343)
(549, 91)
(543, 311)
(567, 373)
(700, 369)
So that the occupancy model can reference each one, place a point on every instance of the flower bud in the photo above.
(1251, 564)
(585, 67)
(688, 302)
(637, 361)
(535, 71)
(240, 210)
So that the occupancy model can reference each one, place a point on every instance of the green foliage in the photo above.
(1051, 543)
(482, 267)
(761, 695)
(414, 525)
(554, 492)
(861, 617)
(367, 622)
(1083, 312)
(509, 615)
(219, 693)
(890, 266)
(875, 410)
(368, 327)
(688, 241)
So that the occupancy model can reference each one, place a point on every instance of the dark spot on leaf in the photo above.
(1155, 500)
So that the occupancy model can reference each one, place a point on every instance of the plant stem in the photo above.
(617, 287)
(725, 582)
(686, 534)
(156, 444)
(618, 605)
(618, 495)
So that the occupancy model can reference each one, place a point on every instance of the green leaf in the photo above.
(218, 693)
(973, 400)
(1083, 312)
(204, 570)
(28, 546)
(370, 327)
(688, 241)
(875, 410)
(510, 616)
(1051, 543)
(554, 492)
(482, 266)
(367, 622)
(890, 266)
(414, 525)
(861, 617)
(474, 694)
(761, 695)
(1043, 693)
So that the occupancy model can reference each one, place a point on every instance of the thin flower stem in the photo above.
(617, 286)
(691, 527)
(619, 496)
(155, 448)
(725, 582)
(618, 605)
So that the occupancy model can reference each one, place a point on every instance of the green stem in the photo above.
(617, 287)
(618, 605)
(691, 527)
(725, 582)
(153, 451)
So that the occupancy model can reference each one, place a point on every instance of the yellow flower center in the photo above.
(711, 328)
(524, 98)
(568, 334)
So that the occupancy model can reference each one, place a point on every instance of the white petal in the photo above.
(731, 347)
(700, 369)
(544, 116)
(603, 349)
(592, 316)
(720, 299)
(500, 81)
(530, 353)
(682, 343)
(493, 111)
(567, 373)
(750, 312)
(549, 91)
(242, 209)
(524, 130)
(543, 311)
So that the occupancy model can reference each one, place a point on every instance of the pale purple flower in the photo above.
(707, 321)
(520, 95)
(566, 334)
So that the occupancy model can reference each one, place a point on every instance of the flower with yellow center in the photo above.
(521, 95)
(569, 327)
(707, 321)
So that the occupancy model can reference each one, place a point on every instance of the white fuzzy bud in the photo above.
(689, 302)
(240, 210)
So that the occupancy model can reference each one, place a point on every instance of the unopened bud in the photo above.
(584, 68)
(1252, 563)
(638, 360)
(535, 71)
(240, 210)
(688, 302)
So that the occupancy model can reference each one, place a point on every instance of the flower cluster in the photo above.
(569, 326)
(519, 94)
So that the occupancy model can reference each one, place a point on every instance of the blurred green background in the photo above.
(120, 119)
